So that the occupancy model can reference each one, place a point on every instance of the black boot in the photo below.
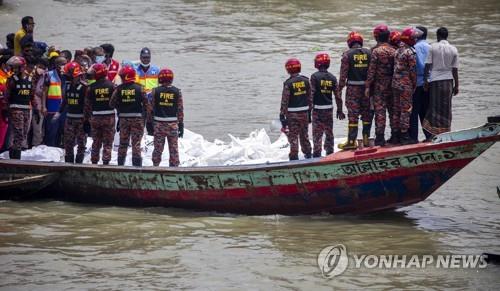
(394, 139)
(367, 126)
(379, 139)
(352, 135)
(105, 162)
(316, 155)
(69, 159)
(308, 156)
(405, 139)
(15, 154)
(79, 159)
(293, 157)
(137, 162)
(121, 161)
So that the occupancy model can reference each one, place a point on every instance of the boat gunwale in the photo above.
(350, 156)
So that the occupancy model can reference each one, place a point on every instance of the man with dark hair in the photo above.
(27, 26)
(112, 64)
(27, 52)
(9, 50)
(420, 97)
(441, 67)
(67, 55)
(380, 73)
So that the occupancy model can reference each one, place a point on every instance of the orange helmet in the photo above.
(408, 36)
(378, 29)
(395, 37)
(165, 76)
(100, 71)
(72, 70)
(353, 37)
(322, 60)
(127, 74)
(293, 66)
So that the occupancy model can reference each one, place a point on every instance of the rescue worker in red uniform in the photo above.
(323, 85)
(353, 73)
(113, 66)
(103, 116)
(129, 99)
(378, 82)
(296, 106)
(395, 39)
(19, 94)
(168, 118)
(77, 124)
(404, 83)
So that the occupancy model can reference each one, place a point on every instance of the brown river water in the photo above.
(228, 59)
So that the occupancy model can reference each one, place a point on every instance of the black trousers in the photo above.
(419, 109)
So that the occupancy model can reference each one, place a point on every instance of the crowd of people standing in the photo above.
(402, 77)
(57, 98)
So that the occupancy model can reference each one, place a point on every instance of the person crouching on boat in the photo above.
(73, 103)
(129, 99)
(404, 82)
(323, 84)
(103, 116)
(168, 118)
(296, 106)
(19, 95)
(353, 72)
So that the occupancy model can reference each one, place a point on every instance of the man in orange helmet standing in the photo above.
(353, 72)
(379, 78)
(296, 106)
(404, 82)
(168, 118)
(130, 99)
(103, 116)
(76, 125)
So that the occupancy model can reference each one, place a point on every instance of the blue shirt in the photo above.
(422, 48)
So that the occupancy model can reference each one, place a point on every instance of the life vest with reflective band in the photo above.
(359, 59)
(325, 84)
(298, 86)
(113, 69)
(54, 94)
(75, 99)
(130, 100)
(100, 93)
(149, 79)
(21, 92)
(165, 103)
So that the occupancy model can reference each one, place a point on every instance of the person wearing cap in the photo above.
(147, 73)
(27, 26)
(378, 81)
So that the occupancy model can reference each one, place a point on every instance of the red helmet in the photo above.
(16, 61)
(72, 69)
(127, 74)
(100, 71)
(395, 38)
(408, 36)
(165, 76)
(293, 66)
(354, 37)
(322, 60)
(378, 29)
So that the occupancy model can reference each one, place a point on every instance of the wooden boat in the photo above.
(360, 181)
(23, 186)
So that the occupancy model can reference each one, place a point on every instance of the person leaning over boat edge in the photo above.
(19, 94)
(296, 106)
(323, 85)
(103, 116)
(353, 73)
(167, 119)
(77, 124)
(130, 99)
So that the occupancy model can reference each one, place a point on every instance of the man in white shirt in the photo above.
(442, 67)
